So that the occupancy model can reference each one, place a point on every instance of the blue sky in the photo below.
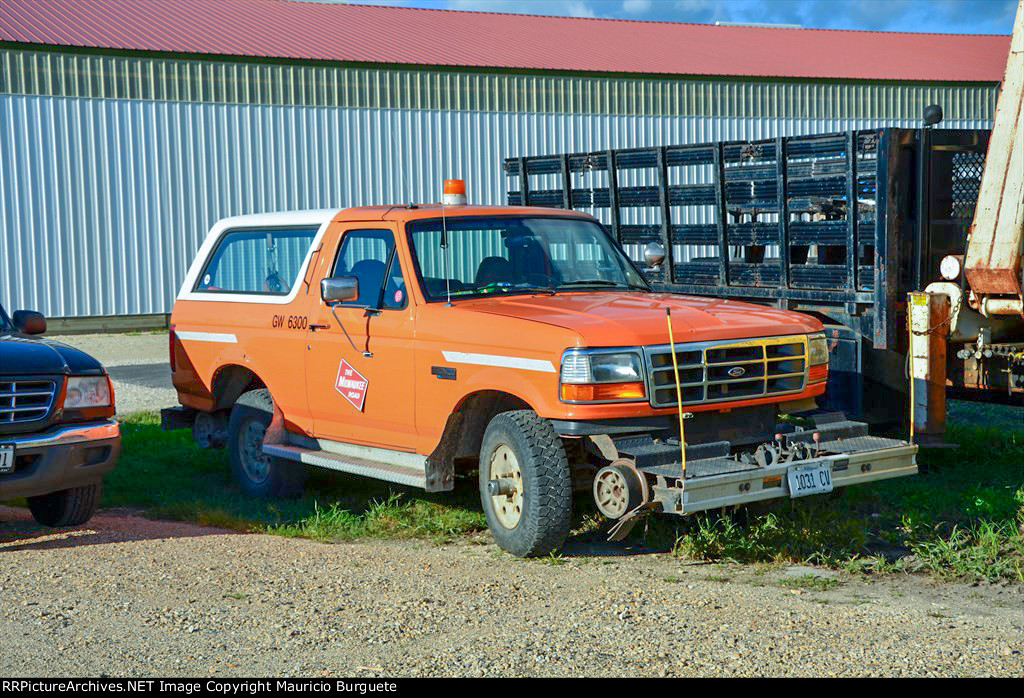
(941, 16)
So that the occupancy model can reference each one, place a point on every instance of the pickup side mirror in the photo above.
(654, 255)
(339, 289)
(29, 322)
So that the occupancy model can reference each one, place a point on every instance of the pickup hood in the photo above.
(24, 355)
(615, 319)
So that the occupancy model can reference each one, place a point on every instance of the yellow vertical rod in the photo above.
(910, 359)
(679, 390)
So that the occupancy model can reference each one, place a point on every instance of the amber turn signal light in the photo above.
(596, 392)
(817, 374)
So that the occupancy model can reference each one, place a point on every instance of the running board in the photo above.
(349, 464)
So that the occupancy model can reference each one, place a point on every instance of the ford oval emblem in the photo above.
(737, 371)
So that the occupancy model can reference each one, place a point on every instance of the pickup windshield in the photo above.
(477, 256)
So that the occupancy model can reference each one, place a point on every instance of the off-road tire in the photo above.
(546, 515)
(67, 507)
(250, 417)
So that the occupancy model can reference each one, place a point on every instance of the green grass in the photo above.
(166, 476)
(963, 519)
(810, 582)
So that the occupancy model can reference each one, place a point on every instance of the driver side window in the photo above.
(369, 255)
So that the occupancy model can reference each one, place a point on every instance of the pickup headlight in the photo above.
(817, 358)
(817, 349)
(85, 392)
(590, 375)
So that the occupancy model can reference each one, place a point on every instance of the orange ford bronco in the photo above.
(414, 343)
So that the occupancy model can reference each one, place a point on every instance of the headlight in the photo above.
(817, 349)
(85, 392)
(601, 376)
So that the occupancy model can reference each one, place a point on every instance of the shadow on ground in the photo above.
(18, 531)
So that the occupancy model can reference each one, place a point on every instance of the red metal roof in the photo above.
(369, 34)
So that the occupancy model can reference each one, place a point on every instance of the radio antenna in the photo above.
(444, 222)
(447, 256)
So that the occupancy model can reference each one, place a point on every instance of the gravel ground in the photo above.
(131, 597)
(137, 364)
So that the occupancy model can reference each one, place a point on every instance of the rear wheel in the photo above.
(257, 473)
(67, 507)
(525, 484)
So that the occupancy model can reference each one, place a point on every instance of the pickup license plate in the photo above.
(810, 479)
(6, 458)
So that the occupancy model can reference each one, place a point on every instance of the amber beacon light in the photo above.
(454, 192)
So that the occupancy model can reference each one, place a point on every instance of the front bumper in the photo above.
(863, 460)
(60, 458)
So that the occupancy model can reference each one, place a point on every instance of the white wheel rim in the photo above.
(508, 508)
(612, 493)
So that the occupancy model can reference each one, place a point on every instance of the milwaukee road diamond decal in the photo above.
(351, 384)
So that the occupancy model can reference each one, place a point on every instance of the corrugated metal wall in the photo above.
(67, 74)
(106, 198)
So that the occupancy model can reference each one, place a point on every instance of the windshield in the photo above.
(515, 255)
(5, 323)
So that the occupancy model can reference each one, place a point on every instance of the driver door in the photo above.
(359, 374)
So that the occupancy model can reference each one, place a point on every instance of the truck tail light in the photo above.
(172, 341)
(592, 392)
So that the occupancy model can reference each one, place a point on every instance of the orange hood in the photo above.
(618, 319)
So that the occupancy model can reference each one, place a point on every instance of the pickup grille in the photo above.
(727, 371)
(23, 401)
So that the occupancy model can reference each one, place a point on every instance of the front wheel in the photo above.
(257, 473)
(525, 484)
(67, 507)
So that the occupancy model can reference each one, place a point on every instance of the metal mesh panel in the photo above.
(967, 169)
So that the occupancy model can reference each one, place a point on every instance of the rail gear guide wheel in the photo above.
(619, 488)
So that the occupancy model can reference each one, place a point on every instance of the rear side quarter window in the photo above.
(259, 261)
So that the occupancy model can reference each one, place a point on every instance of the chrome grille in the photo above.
(25, 400)
(727, 371)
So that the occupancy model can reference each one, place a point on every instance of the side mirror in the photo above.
(339, 289)
(29, 322)
(932, 114)
(654, 255)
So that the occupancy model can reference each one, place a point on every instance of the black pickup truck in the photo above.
(58, 437)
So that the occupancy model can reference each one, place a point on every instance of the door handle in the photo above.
(313, 327)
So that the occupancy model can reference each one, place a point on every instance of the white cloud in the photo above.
(565, 8)
(636, 7)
